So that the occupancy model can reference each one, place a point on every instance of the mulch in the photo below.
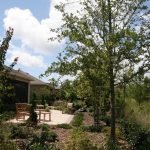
(95, 138)
(88, 119)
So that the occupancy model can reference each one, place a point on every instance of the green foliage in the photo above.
(78, 119)
(78, 104)
(64, 126)
(43, 102)
(37, 146)
(6, 86)
(112, 146)
(43, 127)
(7, 116)
(44, 140)
(32, 120)
(67, 91)
(139, 89)
(9, 145)
(16, 132)
(106, 130)
(21, 132)
(78, 141)
(43, 95)
(137, 137)
(104, 46)
(120, 102)
(92, 128)
(138, 113)
(106, 119)
(5, 131)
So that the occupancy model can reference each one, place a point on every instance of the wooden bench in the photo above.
(44, 113)
(22, 110)
(39, 106)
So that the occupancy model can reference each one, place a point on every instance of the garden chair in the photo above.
(22, 110)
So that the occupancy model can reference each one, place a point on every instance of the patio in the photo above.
(57, 117)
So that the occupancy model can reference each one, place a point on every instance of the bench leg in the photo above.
(49, 117)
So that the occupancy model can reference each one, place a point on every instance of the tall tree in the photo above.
(5, 80)
(113, 33)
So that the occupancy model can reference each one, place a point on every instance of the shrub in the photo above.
(5, 132)
(78, 119)
(8, 146)
(92, 128)
(137, 137)
(90, 109)
(112, 146)
(20, 132)
(16, 132)
(47, 135)
(2, 137)
(78, 104)
(64, 126)
(38, 146)
(45, 127)
(78, 141)
(106, 130)
(44, 140)
(7, 115)
(32, 120)
(106, 119)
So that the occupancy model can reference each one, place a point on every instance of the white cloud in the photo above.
(29, 30)
(25, 58)
(34, 34)
(55, 17)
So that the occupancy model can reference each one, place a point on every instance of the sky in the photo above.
(32, 20)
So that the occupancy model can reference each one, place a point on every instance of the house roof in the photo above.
(26, 76)
(23, 75)
(37, 82)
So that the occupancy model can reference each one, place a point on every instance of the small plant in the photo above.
(106, 130)
(16, 132)
(78, 119)
(6, 116)
(38, 146)
(47, 108)
(106, 119)
(43, 102)
(32, 120)
(136, 136)
(8, 146)
(78, 141)
(20, 132)
(47, 135)
(64, 126)
(92, 128)
(111, 146)
(44, 140)
(2, 137)
(45, 127)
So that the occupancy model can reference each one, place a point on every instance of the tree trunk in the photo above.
(111, 75)
(113, 114)
(96, 115)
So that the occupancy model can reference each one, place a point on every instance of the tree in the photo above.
(114, 33)
(67, 91)
(5, 79)
(139, 89)
(91, 87)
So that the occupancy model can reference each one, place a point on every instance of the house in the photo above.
(23, 83)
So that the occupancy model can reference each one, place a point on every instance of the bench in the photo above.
(22, 110)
